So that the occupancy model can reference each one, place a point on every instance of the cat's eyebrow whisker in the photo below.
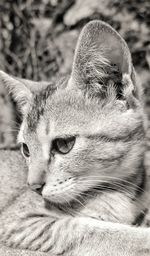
(15, 122)
(11, 129)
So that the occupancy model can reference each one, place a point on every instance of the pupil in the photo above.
(61, 145)
(26, 150)
(64, 145)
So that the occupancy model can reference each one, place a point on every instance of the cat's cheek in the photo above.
(29, 160)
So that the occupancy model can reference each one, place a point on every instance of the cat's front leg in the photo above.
(78, 237)
(111, 239)
(29, 232)
(43, 233)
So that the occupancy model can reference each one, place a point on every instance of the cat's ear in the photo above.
(102, 59)
(21, 89)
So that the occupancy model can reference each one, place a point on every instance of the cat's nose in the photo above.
(37, 187)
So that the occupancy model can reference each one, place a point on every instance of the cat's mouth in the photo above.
(48, 205)
(60, 191)
(72, 193)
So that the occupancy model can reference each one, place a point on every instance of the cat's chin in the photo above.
(54, 199)
(48, 204)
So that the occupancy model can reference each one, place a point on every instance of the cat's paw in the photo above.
(29, 232)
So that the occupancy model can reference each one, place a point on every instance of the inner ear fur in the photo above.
(101, 58)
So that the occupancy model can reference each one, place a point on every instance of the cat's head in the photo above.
(84, 130)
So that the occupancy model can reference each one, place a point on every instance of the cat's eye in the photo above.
(25, 150)
(63, 146)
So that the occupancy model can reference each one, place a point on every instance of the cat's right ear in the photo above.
(21, 89)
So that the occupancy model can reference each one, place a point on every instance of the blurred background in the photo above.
(38, 38)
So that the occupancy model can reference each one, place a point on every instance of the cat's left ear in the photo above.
(21, 89)
(102, 63)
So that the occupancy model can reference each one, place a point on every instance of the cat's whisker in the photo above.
(13, 122)
(77, 200)
(63, 198)
(114, 179)
(106, 202)
(121, 188)
(102, 185)
(12, 130)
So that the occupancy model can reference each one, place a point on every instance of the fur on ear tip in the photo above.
(19, 92)
(7, 81)
(95, 23)
(3, 77)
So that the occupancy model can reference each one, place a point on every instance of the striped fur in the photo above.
(103, 176)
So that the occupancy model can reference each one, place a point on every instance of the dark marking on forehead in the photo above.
(39, 101)
(135, 134)
(38, 105)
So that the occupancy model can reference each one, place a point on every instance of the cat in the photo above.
(83, 139)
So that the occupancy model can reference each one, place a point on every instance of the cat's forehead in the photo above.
(63, 109)
(68, 112)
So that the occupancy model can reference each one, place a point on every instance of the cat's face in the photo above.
(89, 130)
(75, 144)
